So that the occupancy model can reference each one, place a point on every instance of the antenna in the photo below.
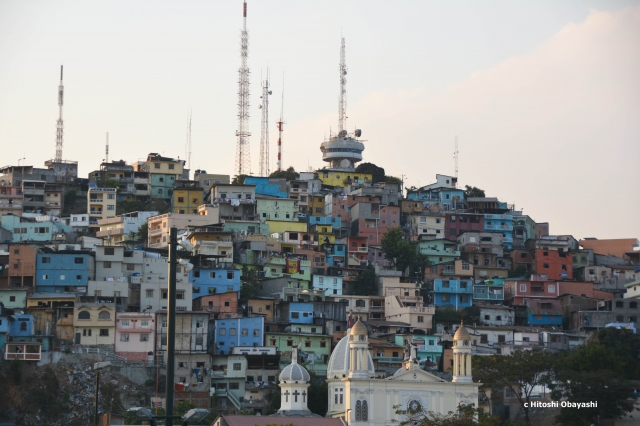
(264, 137)
(243, 157)
(342, 105)
(455, 156)
(60, 123)
(188, 146)
(107, 150)
(280, 128)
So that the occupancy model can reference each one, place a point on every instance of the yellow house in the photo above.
(94, 323)
(280, 226)
(342, 178)
(101, 204)
(186, 200)
(158, 164)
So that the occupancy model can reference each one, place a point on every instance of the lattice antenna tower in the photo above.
(455, 157)
(243, 155)
(281, 128)
(188, 145)
(264, 137)
(106, 152)
(342, 105)
(60, 123)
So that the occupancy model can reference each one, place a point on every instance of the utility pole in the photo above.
(171, 322)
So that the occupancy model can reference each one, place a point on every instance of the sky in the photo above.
(543, 96)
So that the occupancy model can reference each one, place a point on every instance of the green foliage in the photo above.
(107, 183)
(401, 252)
(128, 206)
(521, 372)
(249, 282)
(16, 370)
(366, 283)
(318, 401)
(377, 173)
(472, 191)
(70, 200)
(393, 179)
(238, 179)
(520, 271)
(598, 372)
(143, 232)
(465, 415)
(47, 395)
(289, 174)
(449, 315)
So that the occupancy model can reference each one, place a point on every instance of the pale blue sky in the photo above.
(543, 95)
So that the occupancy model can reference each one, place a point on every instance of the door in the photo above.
(77, 338)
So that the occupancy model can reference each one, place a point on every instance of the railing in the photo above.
(105, 353)
(376, 308)
(440, 289)
(96, 200)
(389, 359)
(485, 296)
(231, 397)
(155, 231)
(22, 356)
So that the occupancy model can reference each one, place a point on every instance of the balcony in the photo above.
(96, 200)
(106, 233)
(490, 296)
(453, 289)
(157, 231)
(95, 213)
(376, 308)
(33, 203)
(430, 348)
(33, 191)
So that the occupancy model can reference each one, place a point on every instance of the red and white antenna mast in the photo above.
(280, 128)
(243, 155)
(60, 123)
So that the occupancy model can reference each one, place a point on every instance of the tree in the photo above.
(377, 173)
(472, 191)
(70, 200)
(401, 252)
(465, 415)
(318, 394)
(598, 372)
(249, 282)
(393, 179)
(143, 233)
(520, 271)
(366, 284)
(238, 179)
(289, 174)
(521, 372)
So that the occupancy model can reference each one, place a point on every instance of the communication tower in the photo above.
(188, 145)
(455, 156)
(106, 158)
(60, 123)
(243, 155)
(264, 137)
(280, 128)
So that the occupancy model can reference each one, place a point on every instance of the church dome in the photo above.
(359, 329)
(461, 334)
(294, 372)
(339, 361)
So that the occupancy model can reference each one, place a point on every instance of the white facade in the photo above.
(332, 286)
(154, 284)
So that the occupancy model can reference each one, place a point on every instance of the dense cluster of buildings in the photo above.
(89, 276)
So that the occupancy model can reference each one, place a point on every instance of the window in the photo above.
(144, 323)
(234, 386)
(172, 166)
(256, 332)
(498, 317)
(523, 287)
(104, 315)
(180, 295)
(237, 366)
(545, 265)
(108, 251)
(229, 274)
(222, 332)
(84, 315)
(552, 288)
(323, 344)
(420, 318)
(244, 332)
(464, 298)
(446, 298)
(97, 293)
(104, 332)
(633, 305)
(619, 304)
(156, 165)
(149, 293)
(232, 332)
(501, 338)
(181, 199)
(289, 342)
(484, 338)
(12, 298)
(199, 339)
(124, 337)
(487, 317)
(46, 259)
(106, 265)
(295, 314)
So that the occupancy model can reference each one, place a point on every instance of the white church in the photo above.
(356, 397)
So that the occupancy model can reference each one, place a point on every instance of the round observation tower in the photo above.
(343, 151)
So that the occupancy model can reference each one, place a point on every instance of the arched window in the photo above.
(365, 411)
(104, 315)
(84, 315)
(358, 409)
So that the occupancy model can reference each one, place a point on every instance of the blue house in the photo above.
(297, 312)
(63, 271)
(544, 312)
(334, 221)
(266, 186)
(21, 326)
(4, 327)
(500, 223)
(24, 229)
(336, 255)
(214, 280)
(233, 332)
(456, 293)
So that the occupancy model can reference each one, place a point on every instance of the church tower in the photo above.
(358, 351)
(462, 356)
(294, 384)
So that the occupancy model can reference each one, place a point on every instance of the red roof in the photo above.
(236, 420)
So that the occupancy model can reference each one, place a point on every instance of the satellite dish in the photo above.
(270, 92)
(358, 133)
(259, 106)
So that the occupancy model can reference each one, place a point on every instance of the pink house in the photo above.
(135, 337)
